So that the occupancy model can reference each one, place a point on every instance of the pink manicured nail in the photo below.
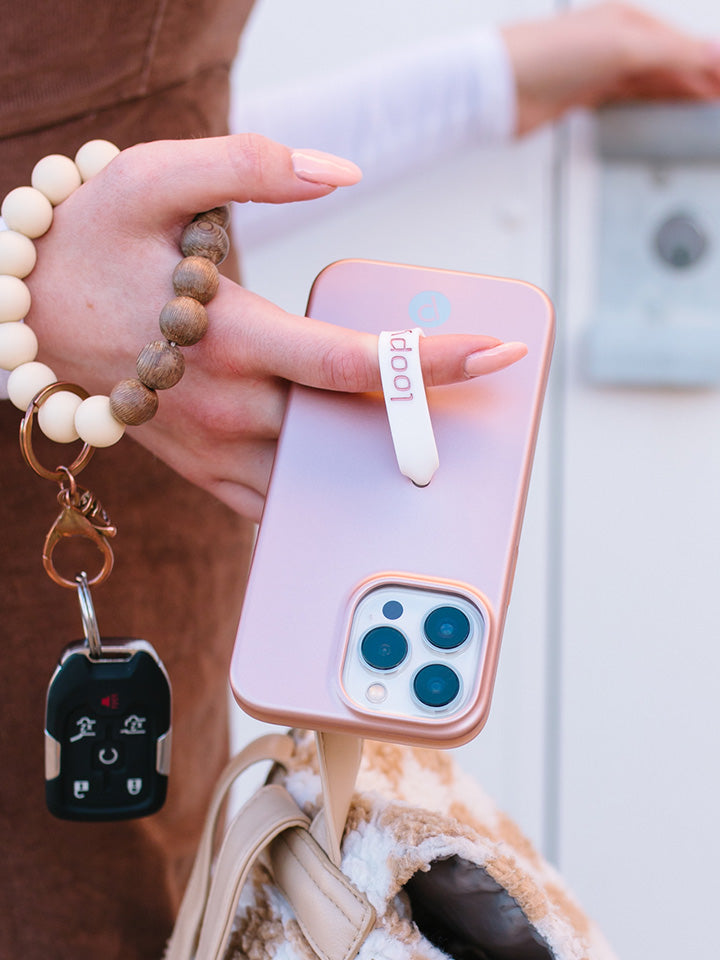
(487, 361)
(314, 166)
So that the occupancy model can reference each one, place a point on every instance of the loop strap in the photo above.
(406, 404)
(339, 756)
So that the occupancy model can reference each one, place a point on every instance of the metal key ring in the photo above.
(89, 620)
(82, 459)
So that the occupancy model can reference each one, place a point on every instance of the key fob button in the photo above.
(108, 756)
(80, 789)
(134, 725)
(134, 785)
(83, 791)
(82, 727)
(108, 702)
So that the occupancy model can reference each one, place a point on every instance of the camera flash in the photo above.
(376, 693)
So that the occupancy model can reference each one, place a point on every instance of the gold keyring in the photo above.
(82, 459)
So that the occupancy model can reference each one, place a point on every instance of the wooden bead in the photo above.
(18, 254)
(95, 423)
(93, 156)
(203, 238)
(183, 321)
(56, 176)
(160, 365)
(218, 215)
(196, 277)
(14, 299)
(56, 417)
(27, 380)
(27, 211)
(133, 403)
(18, 344)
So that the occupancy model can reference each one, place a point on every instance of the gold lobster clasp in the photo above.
(81, 516)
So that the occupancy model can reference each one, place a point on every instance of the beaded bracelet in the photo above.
(99, 421)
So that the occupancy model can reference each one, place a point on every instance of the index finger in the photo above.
(254, 336)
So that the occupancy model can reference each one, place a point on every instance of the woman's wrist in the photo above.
(66, 415)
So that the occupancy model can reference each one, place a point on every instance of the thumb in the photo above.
(169, 179)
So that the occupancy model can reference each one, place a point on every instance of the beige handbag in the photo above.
(430, 867)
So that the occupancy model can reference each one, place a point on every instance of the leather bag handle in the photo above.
(334, 916)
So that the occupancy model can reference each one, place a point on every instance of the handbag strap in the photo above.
(182, 944)
(333, 915)
(269, 812)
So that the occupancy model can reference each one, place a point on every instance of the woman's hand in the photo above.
(602, 54)
(104, 272)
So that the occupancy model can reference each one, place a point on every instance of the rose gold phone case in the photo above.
(341, 520)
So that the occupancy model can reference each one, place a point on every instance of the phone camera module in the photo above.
(447, 628)
(384, 648)
(436, 685)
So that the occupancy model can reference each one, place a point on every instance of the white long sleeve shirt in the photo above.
(391, 115)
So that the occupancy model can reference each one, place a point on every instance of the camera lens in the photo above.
(384, 648)
(447, 628)
(436, 685)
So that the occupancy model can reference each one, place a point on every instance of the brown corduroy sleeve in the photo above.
(128, 71)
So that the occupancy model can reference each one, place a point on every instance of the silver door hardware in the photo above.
(657, 314)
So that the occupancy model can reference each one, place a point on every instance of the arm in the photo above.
(410, 108)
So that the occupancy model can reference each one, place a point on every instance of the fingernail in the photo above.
(314, 166)
(496, 358)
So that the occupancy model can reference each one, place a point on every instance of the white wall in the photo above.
(603, 737)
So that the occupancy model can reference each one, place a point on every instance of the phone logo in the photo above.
(429, 308)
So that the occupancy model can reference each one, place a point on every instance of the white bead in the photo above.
(28, 211)
(95, 423)
(93, 156)
(14, 299)
(56, 176)
(18, 344)
(56, 417)
(26, 380)
(17, 253)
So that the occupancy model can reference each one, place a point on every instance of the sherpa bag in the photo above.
(429, 868)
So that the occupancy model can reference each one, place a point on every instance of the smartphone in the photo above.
(375, 607)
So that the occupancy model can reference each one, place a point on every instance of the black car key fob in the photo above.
(107, 732)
